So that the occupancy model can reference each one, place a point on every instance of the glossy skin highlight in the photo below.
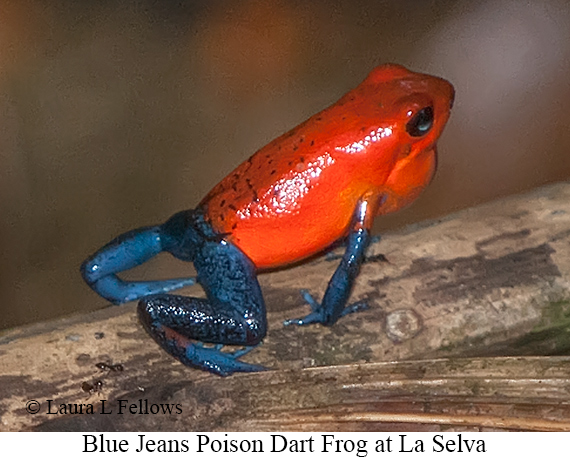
(371, 153)
(296, 196)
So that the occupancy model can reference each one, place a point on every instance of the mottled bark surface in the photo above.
(489, 281)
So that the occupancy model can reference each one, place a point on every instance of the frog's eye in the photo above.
(421, 123)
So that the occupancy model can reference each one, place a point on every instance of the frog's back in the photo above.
(295, 196)
(277, 205)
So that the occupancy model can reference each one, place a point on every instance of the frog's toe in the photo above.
(314, 317)
(355, 308)
(241, 352)
(314, 304)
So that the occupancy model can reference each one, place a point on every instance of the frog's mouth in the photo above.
(409, 177)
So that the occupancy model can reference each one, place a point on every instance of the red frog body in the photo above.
(371, 153)
(296, 196)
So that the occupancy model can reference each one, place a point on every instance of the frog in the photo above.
(369, 154)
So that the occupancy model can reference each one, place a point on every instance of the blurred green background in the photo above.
(115, 115)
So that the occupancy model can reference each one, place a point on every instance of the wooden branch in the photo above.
(488, 281)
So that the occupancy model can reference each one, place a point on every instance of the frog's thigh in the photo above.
(234, 310)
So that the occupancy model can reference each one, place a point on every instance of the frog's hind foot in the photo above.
(216, 361)
(179, 324)
(196, 355)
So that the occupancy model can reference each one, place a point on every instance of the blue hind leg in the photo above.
(123, 253)
(233, 312)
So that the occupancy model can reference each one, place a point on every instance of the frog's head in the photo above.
(416, 108)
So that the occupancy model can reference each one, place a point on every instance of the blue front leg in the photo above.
(338, 290)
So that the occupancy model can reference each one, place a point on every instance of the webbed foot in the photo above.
(212, 359)
(196, 355)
